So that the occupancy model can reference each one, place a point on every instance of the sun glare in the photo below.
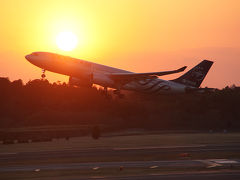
(66, 41)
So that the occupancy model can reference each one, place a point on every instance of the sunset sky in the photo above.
(135, 35)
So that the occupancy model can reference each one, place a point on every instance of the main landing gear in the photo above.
(105, 93)
(116, 92)
(43, 74)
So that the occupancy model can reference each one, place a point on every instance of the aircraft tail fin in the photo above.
(196, 75)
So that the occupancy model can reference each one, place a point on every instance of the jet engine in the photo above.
(80, 82)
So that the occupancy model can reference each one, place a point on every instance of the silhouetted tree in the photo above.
(39, 102)
(96, 133)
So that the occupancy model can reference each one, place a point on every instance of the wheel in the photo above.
(43, 76)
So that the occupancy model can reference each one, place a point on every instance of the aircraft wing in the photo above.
(148, 75)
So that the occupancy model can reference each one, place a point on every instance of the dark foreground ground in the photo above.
(158, 156)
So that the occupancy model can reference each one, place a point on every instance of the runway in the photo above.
(94, 160)
(128, 164)
(115, 152)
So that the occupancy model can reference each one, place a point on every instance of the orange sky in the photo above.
(136, 35)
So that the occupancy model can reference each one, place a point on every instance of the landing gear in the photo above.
(43, 74)
(105, 92)
(118, 93)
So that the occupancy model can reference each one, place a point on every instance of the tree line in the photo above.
(40, 103)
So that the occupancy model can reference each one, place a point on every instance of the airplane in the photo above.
(85, 73)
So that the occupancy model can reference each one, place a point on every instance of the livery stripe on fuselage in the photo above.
(145, 83)
(158, 90)
(155, 84)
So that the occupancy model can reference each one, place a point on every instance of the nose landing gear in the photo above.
(43, 74)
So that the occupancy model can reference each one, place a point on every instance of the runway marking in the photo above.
(96, 168)
(153, 167)
(211, 163)
(226, 161)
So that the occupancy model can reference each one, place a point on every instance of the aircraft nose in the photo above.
(27, 57)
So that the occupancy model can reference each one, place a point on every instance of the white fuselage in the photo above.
(100, 74)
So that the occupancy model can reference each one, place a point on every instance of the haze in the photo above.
(136, 35)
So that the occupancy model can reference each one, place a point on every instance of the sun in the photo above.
(66, 41)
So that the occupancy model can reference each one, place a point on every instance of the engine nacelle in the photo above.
(83, 82)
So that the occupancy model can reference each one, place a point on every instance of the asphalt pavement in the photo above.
(15, 162)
